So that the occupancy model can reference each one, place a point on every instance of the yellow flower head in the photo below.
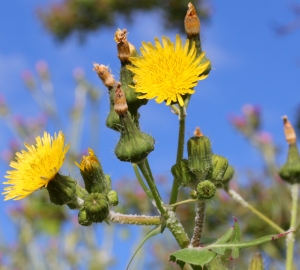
(167, 71)
(36, 167)
(87, 162)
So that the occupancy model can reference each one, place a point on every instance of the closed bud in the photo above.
(113, 198)
(134, 145)
(193, 194)
(192, 28)
(290, 171)
(191, 21)
(96, 207)
(199, 156)
(227, 177)
(181, 173)
(83, 218)
(206, 189)
(105, 75)
(257, 263)
(62, 189)
(219, 167)
(92, 174)
(122, 44)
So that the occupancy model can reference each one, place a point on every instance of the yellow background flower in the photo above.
(167, 72)
(35, 167)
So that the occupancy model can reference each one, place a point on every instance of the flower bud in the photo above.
(193, 194)
(92, 174)
(219, 167)
(133, 145)
(83, 218)
(62, 189)
(105, 75)
(96, 207)
(181, 173)
(206, 189)
(199, 156)
(256, 263)
(227, 176)
(191, 21)
(192, 28)
(113, 198)
(122, 44)
(290, 171)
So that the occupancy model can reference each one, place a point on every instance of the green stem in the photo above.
(290, 240)
(199, 222)
(238, 198)
(133, 219)
(182, 202)
(150, 181)
(180, 148)
(169, 217)
(141, 181)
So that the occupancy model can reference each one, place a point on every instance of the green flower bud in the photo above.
(96, 207)
(193, 194)
(219, 167)
(181, 173)
(81, 193)
(133, 145)
(257, 263)
(92, 174)
(113, 198)
(199, 153)
(83, 218)
(62, 189)
(290, 171)
(228, 175)
(206, 190)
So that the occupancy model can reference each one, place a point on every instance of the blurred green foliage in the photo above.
(82, 17)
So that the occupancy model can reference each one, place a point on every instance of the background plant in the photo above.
(215, 142)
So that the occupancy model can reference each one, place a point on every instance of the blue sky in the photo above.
(251, 64)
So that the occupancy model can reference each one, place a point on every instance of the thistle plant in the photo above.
(167, 72)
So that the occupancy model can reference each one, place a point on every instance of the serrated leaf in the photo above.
(150, 234)
(229, 241)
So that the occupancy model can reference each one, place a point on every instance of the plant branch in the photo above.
(133, 219)
(199, 222)
(180, 148)
(290, 240)
(141, 181)
(238, 198)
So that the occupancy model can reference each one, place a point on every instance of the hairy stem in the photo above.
(238, 198)
(180, 148)
(290, 240)
(199, 222)
(133, 219)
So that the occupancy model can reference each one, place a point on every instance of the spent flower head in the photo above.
(167, 71)
(36, 167)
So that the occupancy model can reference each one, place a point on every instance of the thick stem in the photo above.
(199, 222)
(180, 148)
(172, 221)
(238, 198)
(290, 239)
(133, 219)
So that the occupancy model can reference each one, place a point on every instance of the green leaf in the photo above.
(153, 232)
(229, 241)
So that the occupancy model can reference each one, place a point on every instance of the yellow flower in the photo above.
(168, 71)
(36, 167)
